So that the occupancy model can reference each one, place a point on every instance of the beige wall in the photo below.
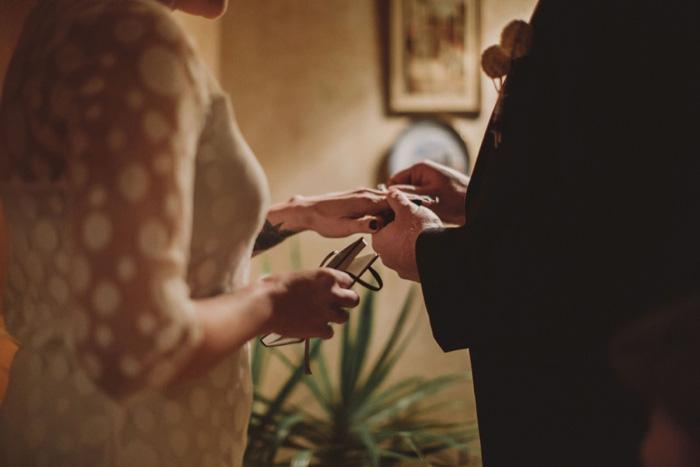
(306, 82)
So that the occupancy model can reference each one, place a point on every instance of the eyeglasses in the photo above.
(346, 260)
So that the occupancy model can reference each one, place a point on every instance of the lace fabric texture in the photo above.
(128, 191)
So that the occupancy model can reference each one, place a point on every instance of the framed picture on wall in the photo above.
(434, 56)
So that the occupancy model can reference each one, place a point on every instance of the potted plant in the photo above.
(355, 418)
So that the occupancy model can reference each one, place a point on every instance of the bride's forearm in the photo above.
(331, 215)
(283, 220)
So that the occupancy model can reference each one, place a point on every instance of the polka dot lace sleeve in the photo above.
(138, 108)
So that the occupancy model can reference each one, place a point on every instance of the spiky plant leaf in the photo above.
(362, 421)
(302, 459)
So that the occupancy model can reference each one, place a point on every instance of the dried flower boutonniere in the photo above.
(496, 61)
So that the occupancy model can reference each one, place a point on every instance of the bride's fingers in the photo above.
(339, 315)
(406, 188)
(365, 224)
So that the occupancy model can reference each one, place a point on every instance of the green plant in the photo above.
(359, 420)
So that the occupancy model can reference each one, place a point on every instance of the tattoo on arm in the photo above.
(269, 236)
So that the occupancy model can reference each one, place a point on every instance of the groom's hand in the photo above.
(396, 242)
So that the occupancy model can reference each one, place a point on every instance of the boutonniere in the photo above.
(497, 60)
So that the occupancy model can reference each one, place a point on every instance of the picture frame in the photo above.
(434, 57)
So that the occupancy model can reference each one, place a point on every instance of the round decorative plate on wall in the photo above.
(428, 139)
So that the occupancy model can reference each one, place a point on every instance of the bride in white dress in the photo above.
(133, 206)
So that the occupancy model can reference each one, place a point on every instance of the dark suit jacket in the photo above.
(587, 215)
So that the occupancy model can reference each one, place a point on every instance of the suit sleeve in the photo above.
(587, 211)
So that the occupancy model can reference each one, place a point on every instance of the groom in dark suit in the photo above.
(583, 216)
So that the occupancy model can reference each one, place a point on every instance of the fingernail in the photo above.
(373, 224)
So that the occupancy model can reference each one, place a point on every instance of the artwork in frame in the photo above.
(434, 56)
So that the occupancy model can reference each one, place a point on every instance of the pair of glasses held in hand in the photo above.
(346, 260)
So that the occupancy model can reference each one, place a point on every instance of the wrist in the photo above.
(260, 309)
(292, 214)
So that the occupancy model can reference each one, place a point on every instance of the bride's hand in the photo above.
(337, 214)
(333, 215)
(303, 303)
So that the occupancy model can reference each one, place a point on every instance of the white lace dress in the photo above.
(128, 190)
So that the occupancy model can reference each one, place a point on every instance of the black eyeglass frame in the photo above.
(345, 260)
